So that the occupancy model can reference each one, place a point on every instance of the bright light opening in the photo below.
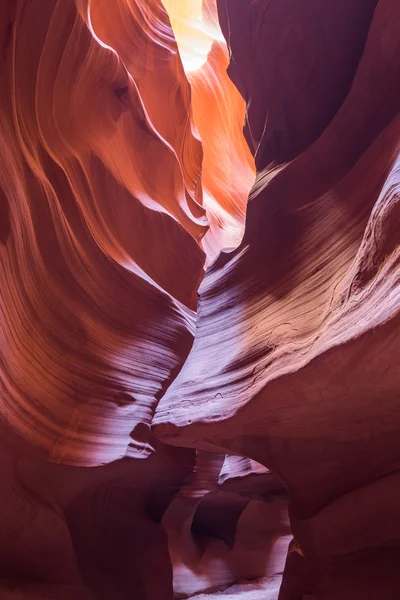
(194, 32)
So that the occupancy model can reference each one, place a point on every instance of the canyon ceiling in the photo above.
(199, 299)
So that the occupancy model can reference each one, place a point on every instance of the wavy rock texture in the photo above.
(229, 523)
(123, 174)
(72, 532)
(295, 362)
(105, 188)
(218, 112)
(97, 294)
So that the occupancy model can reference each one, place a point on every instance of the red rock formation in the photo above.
(73, 532)
(123, 172)
(296, 355)
(97, 294)
(102, 213)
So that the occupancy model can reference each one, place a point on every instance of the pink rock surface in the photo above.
(102, 214)
(166, 433)
(296, 356)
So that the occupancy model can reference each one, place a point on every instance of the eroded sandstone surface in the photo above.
(199, 299)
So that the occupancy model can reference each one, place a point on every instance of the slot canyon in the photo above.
(200, 299)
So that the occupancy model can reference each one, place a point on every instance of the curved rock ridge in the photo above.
(228, 167)
(103, 238)
(273, 303)
(218, 113)
(233, 426)
(102, 205)
(101, 212)
(72, 532)
(158, 528)
(295, 362)
(226, 524)
(281, 53)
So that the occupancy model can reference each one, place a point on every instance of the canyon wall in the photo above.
(295, 361)
(199, 325)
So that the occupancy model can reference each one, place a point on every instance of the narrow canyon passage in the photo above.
(199, 299)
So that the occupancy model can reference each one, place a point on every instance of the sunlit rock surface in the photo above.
(107, 194)
(295, 362)
(156, 444)
(100, 263)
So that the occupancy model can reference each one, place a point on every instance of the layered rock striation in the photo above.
(199, 326)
